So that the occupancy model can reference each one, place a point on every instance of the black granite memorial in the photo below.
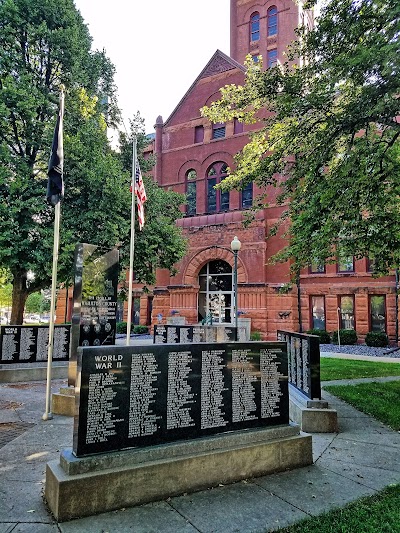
(94, 314)
(303, 362)
(145, 395)
(171, 334)
(29, 344)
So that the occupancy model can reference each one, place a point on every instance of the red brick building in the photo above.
(192, 156)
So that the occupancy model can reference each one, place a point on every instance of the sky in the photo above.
(158, 48)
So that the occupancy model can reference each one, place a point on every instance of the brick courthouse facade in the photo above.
(192, 155)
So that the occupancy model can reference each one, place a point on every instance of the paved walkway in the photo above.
(358, 461)
(360, 357)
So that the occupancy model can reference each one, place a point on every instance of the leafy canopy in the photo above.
(45, 44)
(329, 134)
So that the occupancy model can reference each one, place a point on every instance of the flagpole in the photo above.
(132, 244)
(48, 415)
(57, 212)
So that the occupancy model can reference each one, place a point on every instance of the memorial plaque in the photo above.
(160, 334)
(303, 362)
(29, 344)
(171, 334)
(94, 314)
(134, 396)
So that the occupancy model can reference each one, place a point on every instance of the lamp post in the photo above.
(235, 247)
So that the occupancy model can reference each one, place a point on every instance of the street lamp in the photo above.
(235, 247)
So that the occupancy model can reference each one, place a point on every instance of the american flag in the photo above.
(140, 194)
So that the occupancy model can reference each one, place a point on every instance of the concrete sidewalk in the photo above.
(360, 460)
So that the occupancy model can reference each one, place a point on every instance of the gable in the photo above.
(218, 64)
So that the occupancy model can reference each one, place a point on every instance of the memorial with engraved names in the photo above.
(145, 395)
(29, 344)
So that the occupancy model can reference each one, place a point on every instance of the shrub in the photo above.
(377, 339)
(139, 330)
(255, 336)
(347, 336)
(121, 327)
(324, 337)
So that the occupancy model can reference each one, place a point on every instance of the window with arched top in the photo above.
(255, 27)
(191, 192)
(272, 21)
(217, 200)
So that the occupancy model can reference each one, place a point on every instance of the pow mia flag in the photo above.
(55, 184)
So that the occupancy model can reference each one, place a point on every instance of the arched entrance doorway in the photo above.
(216, 292)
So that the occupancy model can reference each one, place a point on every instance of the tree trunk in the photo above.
(19, 296)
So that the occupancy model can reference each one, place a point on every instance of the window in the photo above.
(377, 305)
(272, 21)
(272, 58)
(346, 312)
(217, 200)
(255, 58)
(136, 311)
(255, 27)
(370, 265)
(345, 263)
(199, 134)
(318, 312)
(237, 126)
(216, 291)
(218, 131)
(191, 192)
(247, 196)
(317, 268)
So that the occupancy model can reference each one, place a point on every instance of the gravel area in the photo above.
(362, 349)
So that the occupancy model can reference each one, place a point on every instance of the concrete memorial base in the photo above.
(63, 402)
(31, 372)
(132, 477)
(313, 416)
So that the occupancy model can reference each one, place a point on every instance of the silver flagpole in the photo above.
(48, 415)
(132, 248)
(57, 211)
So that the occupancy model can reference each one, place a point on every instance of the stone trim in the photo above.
(196, 262)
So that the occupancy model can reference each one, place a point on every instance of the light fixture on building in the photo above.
(235, 247)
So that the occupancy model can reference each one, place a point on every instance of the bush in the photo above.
(139, 330)
(255, 336)
(121, 327)
(347, 336)
(377, 339)
(324, 337)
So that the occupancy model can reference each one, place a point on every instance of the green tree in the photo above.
(330, 134)
(43, 44)
(5, 290)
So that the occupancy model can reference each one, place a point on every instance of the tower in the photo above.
(263, 27)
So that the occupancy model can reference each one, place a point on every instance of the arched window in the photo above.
(216, 292)
(255, 27)
(272, 21)
(191, 192)
(216, 200)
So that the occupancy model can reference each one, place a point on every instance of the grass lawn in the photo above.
(380, 400)
(373, 514)
(332, 368)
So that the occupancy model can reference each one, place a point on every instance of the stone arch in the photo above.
(187, 165)
(198, 260)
